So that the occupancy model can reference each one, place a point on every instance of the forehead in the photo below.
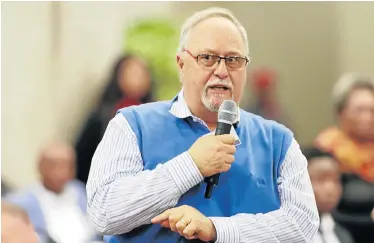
(132, 62)
(361, 97)
(323, 165)
(218, 35)
(58, 156)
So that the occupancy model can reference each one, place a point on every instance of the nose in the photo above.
(221, 70)
(330, 188)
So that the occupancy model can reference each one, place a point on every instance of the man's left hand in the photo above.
(188, 222)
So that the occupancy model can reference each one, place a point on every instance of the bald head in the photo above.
(57, 150)
(14, 211)
(15, 225)
(220, 34)
(56, 165)
(205, 14)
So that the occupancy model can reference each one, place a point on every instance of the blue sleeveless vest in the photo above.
(250, 186)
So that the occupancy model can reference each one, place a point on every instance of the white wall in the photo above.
(27, 87)
(356, 37)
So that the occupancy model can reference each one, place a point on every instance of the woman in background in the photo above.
(352, 143)
(130, 84)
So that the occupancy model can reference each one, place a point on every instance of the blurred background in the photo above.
(59, 74)
(57, 58)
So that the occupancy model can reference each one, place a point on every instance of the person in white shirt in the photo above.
(57, 204)
(326, 182)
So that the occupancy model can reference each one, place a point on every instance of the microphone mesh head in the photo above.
(227, 112)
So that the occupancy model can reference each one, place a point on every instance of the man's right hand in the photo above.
(213, 154)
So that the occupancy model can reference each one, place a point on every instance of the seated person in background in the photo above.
(325, 177)
(15, 225)
(57, 205)
(352, 144)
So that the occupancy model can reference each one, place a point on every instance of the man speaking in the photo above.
(147, 184)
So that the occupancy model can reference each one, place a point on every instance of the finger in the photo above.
(165, 223)
(191, 230)
(191, 237)
(229, 158)
(226, 139)
(173, 220)
(229, 149)
(161, 217)
(181, 225)
(226, 167)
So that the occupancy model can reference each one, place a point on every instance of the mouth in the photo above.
(219, 87)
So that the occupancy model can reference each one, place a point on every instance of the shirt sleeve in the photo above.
(121, 194)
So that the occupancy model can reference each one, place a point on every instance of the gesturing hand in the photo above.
(188, 222)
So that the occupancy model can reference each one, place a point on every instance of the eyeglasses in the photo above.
(209, 60)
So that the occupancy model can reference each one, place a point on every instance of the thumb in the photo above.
(227, 139)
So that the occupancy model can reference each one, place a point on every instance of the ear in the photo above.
(180, 62)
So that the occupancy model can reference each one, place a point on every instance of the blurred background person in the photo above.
(263, 82)
(16, 226)
(325, 177)
(351, 142)
(130, 84)
(57, 204)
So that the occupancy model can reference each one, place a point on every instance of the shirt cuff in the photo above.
(227, 230)
(184, 172)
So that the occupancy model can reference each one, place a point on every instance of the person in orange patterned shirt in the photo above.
(351, 142)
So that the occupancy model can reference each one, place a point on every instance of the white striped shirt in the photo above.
(123, 196)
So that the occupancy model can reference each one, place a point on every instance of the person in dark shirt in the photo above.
(130, 84)
(325, 177)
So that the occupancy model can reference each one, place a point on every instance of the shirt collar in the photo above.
(180, 109)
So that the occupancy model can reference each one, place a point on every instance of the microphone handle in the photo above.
(212, 180)
(222, 128)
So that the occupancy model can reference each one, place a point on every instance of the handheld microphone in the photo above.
(227, 114)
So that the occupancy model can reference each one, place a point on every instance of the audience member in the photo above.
(57, 205)
(264, 85)
(352, 143)
(15, 225)
(325, 177)
(130, 84)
